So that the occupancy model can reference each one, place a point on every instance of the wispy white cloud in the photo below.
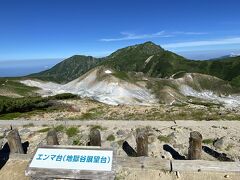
(160, 34)
(189, 33)
(131, 36)
(225, 41)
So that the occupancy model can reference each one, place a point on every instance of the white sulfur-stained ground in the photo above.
(109, 90)
(230, 101)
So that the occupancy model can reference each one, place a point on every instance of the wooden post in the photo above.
(14, 142)
(95, 137)
(52, 138)
(195, 146)
(142, 142)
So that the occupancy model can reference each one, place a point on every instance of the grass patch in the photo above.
(93, 113)
(76, 141)
(121, 75)
(10, 116)
(72, 131)
(165, 139)
(207, 141)
(196, 101)
(59, 128)
(44, 130)
(12, 85)
(111, 137)
(1, 137)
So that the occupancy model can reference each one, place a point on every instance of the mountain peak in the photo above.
(147, 48)
(149, 44)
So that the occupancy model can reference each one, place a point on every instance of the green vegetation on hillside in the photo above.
(12, 86)
(148, 58)
(68, 70)
(11, 108)
(165, 63)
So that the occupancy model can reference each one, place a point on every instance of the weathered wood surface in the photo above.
(52, 138)
(195, 146)
(95, 137)
(142, 142)
(14, 142)
(202, 165)
(144, 163)
(68, 174)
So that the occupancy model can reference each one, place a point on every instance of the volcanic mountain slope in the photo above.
(148, 58)
(101, 84)
(188, 87)
(144, 74)
(154, 61)
(68, 70)
(114, 87)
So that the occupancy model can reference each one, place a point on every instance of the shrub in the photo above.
(111, 137)
(59, 128)
(72, 131)
(76, 141)
(64, 96)
(207, 141)
(165, 139)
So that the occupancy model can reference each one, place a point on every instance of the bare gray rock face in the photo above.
(24, 131)
(121, 132)
(220, 143)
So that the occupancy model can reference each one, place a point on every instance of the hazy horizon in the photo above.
(15, 68)
(22, 67)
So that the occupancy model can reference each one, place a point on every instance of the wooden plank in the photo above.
(67, 174)
(201, 165)
(52, 138)
(144, 163)
(95, 137)
(142, 142)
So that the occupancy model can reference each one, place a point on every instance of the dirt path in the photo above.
(124, 123)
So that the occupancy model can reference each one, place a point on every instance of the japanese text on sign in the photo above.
(81, 159)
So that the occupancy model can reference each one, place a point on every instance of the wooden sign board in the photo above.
(72, 163)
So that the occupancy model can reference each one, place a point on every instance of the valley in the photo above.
(143, 82)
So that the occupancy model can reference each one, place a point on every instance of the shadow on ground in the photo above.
(173, 152)
(5, 152)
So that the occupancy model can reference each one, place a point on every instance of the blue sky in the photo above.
(40, 29)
